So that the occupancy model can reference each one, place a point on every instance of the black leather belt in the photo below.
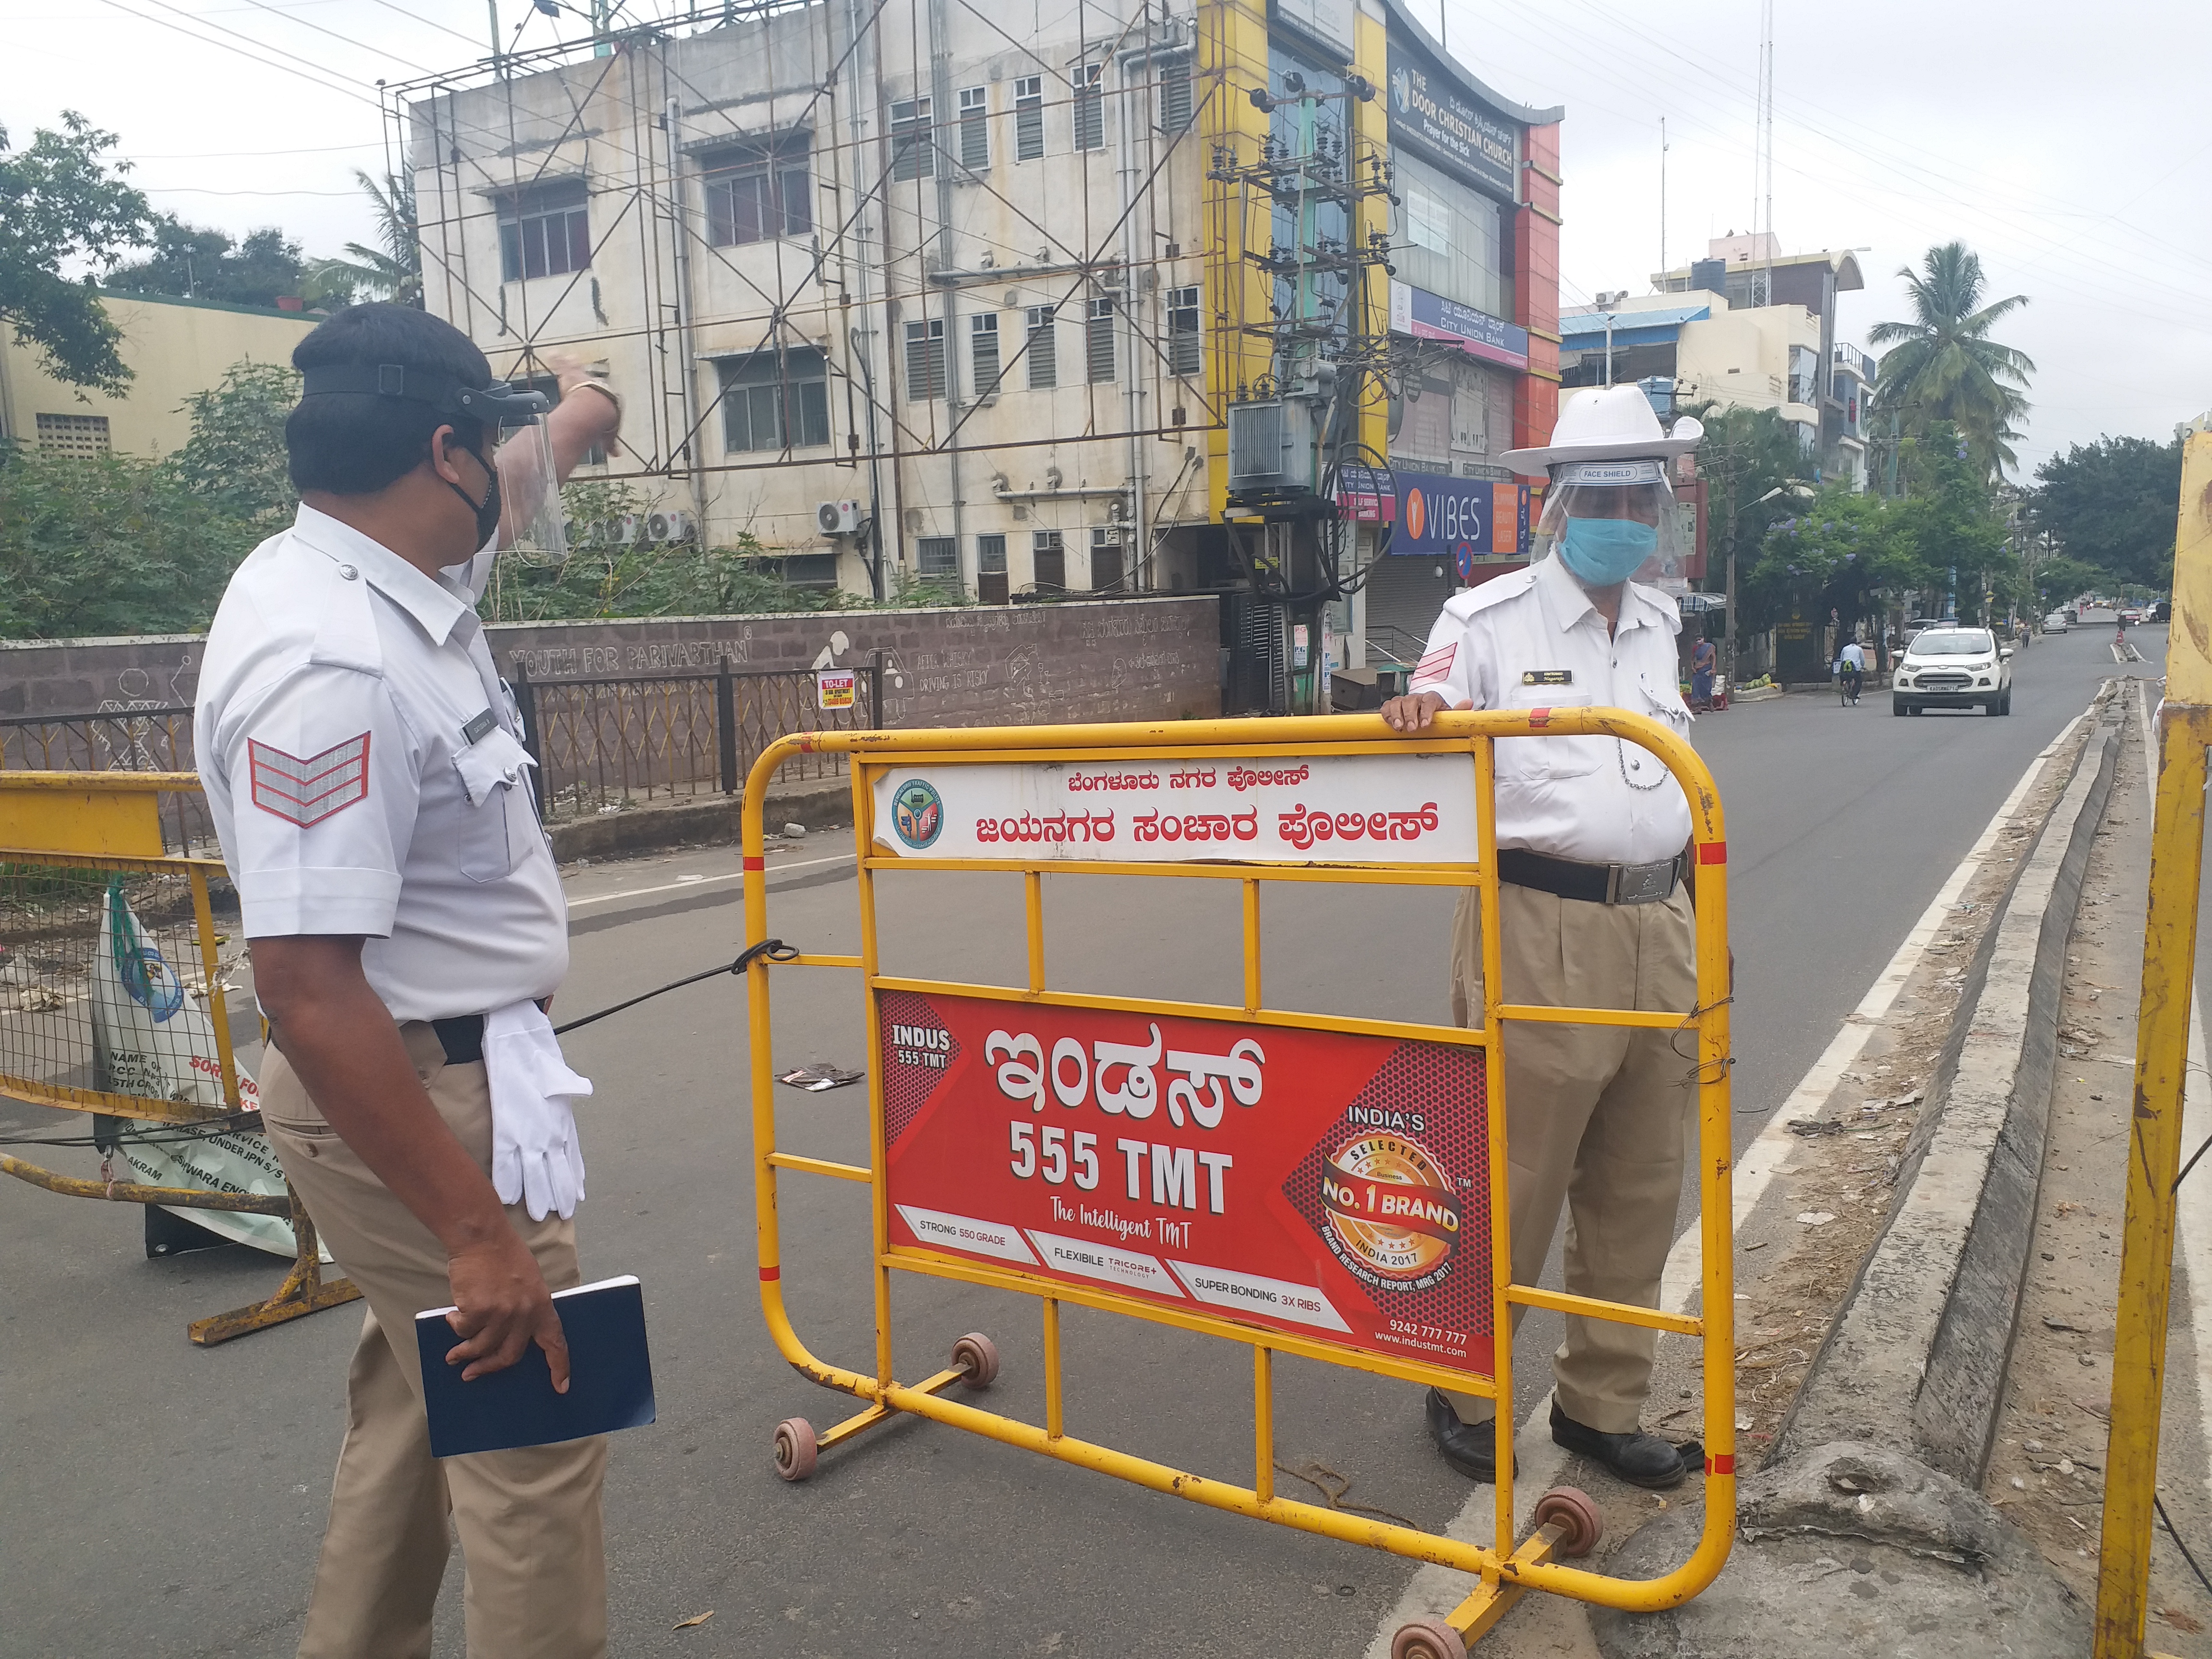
(461, 1037)
(1592, 883)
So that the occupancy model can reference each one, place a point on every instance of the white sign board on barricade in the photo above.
(1341, 809)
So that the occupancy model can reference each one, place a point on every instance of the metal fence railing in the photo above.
(603, 743)
(626, 740)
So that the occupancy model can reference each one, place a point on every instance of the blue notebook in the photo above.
(609, 1378)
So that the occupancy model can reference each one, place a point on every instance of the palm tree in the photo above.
(393, 272)
(1944, 366)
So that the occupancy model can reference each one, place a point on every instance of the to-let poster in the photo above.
(834, 687)
(1329, 1185)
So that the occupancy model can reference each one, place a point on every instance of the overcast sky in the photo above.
(2064, 145)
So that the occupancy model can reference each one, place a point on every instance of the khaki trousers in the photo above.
(528, 1520)
(1595, 1116)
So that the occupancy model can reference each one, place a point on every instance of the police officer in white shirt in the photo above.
(1593, 838)
(363, 767)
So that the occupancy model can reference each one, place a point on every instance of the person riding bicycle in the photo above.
(1851, 666)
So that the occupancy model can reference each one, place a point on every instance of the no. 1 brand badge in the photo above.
(1393, 1214)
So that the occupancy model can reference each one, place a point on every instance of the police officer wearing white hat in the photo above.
(363, 767)
(1593, 838)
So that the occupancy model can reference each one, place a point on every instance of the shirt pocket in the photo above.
(497, 818)
(1548, 759)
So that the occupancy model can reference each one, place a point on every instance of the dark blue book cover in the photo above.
(609, 1378)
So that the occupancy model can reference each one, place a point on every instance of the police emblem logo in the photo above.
(1393, 1211)
(917, 813)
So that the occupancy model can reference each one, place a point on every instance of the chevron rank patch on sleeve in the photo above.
(1436, 664)
(307, 790)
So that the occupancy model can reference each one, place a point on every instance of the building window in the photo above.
(772, 402)
(1089, 107)
(1050, 558)
(1029, 117)
(811, 569)
(925, 359)
(975, 129)
(1428, 222)
(72, 435)
(937, 555)
(1185, 343)
(756, 194)
(983, 352)
(991, 569)
(545, 232)
(910, 139)
(1098, 341)
(1450, 239)
(1043, 353)
(1105, 559)
(1175, 96)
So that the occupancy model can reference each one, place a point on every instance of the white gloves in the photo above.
(536, 1157)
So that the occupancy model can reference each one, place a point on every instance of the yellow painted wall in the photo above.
(174, 347)
(1232, 38)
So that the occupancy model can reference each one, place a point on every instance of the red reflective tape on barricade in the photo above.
(752, 863)
(1713, 852)
(1723, 1464)
(1540, 717)
(769, 1275)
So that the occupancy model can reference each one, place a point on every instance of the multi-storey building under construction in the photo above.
(913, 290)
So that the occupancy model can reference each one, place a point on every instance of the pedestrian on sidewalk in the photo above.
(1702, 659)
(1592, 837)
(364, 770)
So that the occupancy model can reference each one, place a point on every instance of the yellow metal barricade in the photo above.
(2155, 1129)
(69, 844)
(1076, 799)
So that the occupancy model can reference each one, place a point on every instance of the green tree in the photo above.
(1942, 366)
(1842, 551)
(108, 544)
(194, 263)
(2114, 504)
(234, 458)
(393, 272)
(62, 202)
(1952, 523)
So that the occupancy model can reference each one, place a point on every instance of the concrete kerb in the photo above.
(710, 821)
(1916, 1360)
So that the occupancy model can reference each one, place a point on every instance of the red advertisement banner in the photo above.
(1330, 1185)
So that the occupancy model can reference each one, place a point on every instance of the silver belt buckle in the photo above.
(1639, 884)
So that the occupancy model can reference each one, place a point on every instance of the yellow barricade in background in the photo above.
(1007, 1121)
(84, 867)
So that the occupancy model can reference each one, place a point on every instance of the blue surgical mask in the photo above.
(1602, 552)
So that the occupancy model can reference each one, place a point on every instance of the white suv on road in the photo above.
(1953, 668)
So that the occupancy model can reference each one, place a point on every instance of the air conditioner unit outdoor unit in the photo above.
(838, 517)
(672, 527)
(628, 528)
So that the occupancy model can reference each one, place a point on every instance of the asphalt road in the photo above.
(162, 1500)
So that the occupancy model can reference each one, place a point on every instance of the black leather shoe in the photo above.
(1642, 1460)
(1470, 1448)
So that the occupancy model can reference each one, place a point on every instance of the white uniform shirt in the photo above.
(364, 769)
(1855, 656)
(1531, 639)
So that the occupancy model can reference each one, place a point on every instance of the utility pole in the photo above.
(1662, 198)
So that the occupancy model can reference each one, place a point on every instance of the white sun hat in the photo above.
(1607, 423)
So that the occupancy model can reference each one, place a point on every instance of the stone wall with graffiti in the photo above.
(976, 665)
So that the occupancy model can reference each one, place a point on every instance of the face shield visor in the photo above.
(1630, 508)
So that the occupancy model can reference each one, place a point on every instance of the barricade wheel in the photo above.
(978, 1356)
(1581, 1526)
(794, 1448)
(1428, 1638)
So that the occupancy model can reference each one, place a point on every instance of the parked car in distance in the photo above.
(2057, 622)
(1953, 668)
(2131, 618)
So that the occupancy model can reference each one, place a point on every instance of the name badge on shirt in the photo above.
(479, 728)
(1548, 677)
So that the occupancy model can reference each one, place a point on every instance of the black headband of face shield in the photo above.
(495, 405)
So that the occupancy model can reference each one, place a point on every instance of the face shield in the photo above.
(1615, 495)
(530, 523)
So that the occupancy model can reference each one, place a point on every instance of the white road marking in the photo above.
(686, 883)
(1435, 1591)
(2193, 1203)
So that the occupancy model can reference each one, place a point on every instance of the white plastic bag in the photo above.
(152, 1036)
